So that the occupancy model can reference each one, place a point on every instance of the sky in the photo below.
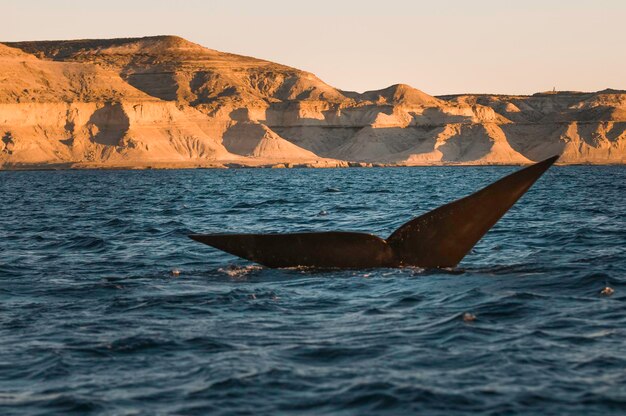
(440, 47)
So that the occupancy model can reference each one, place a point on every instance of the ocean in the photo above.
(108, 308)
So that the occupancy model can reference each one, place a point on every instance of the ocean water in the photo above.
(93, 321)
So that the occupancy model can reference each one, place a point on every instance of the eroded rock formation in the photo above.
(166, 102)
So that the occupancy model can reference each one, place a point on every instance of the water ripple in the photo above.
(93, 319)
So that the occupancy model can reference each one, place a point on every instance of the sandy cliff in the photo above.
(167, 102)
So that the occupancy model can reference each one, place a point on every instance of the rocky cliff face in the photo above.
(166, 102)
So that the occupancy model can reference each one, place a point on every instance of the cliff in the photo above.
(166, 102)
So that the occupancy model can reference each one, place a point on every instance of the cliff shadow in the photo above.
(437, 116)
(466, 146)
(161, 85)
(108, 125)
(536, 141)
(242, 138)
(7, 143)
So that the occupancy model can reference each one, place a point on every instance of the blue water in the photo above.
(92, 320)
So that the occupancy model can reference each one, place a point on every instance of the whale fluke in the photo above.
(443, 236)
(334, 249)
(439, 238)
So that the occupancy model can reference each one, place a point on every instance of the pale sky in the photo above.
(440, 47)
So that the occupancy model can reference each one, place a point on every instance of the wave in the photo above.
(92, 319)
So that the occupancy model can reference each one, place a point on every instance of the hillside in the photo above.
(166, 102)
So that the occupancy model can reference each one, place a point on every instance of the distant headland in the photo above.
(165, 102)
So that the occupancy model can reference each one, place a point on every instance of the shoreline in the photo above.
(281, 165)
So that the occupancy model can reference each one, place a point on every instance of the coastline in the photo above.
(103, 104)
(260, 165)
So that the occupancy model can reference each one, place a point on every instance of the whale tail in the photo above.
(443, 236)
(439, 238)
